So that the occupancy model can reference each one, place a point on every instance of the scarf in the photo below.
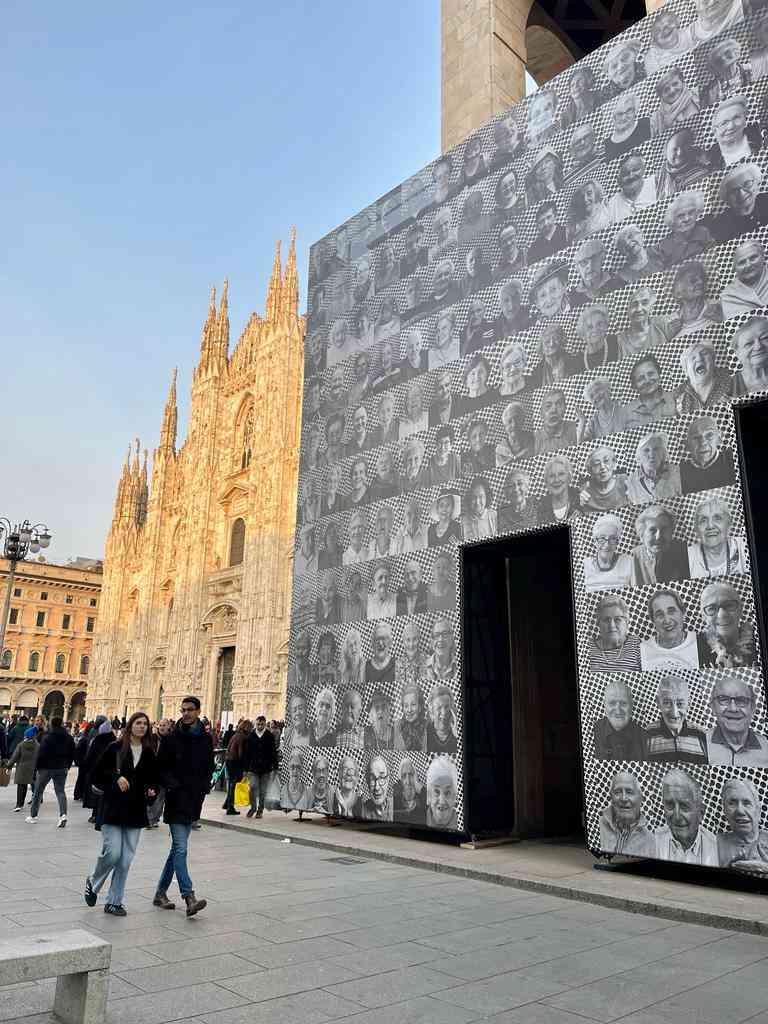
(668, 114)
(738, 654)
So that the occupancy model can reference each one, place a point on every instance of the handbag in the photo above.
(5, 775)
(242, 794)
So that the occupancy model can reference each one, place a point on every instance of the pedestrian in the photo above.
(127, 775)
(16, 733)
(3, 741)
(81, 750)
(186, 769)
(24, 757)
(236, 753)
(155, 809)
(104, 736)
(260, 762)
(54, 759)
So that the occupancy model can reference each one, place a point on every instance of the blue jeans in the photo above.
(176, 864)
(117, 852)
(257, 790)
(44, 776)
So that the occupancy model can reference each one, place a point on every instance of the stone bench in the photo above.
(78, 960)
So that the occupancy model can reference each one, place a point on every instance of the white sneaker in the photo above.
(30, 820)
(17, 809)
(62, 821)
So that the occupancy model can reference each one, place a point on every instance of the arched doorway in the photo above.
(77, 707)
(53, 705)
(5, 698)
(225, 672)
(28, 702)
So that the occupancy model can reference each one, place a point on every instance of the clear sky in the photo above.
(150, 150)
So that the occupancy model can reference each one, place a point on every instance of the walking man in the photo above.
(57, 751)
(186, 768)
(261, 761)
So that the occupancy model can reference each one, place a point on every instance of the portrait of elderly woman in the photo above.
(638, 259)
(442, 794)
(614, 649)
(509, 138)
(593, 280)
(358, 483)
(412, 535)
(668, 41)
(441, 722)
(671, 645)
(605, 488)
(321, 731)
(305, 559)
(477, 272)
(549, 289)
(354, 599)
(655, 476)
(445, 463)
(637, 191)
(652, 402)
(441, 593)
(728, 638)
(678, 101)
(409, 666)
(446, 347)
(688, 235)
(445, 234)
(385, 482)
(584, 96)
(732, 740)
(473, 220)
(628, 129)
(478, 519)
(674, 737)
(293, 793)
(328, 604)
(517, 442)
(388, 430)
(608, 568)
(746, 206)
(618, 737)
(415, 414)
(587, 211)
(561, 501)
(387, 323)
(600, 347)
(705, 384)
(622, 66)
(480, 455)
(735, 139)
(729, 71)
(542, 115)
(411, 727)
(415, 470)
(750, 343)
(478, 331)
(749, 288)
(327, 660)
(410, 798)
(516, 510)
(555, 361)
(659, 555)
(696, 311)
(475, 163)
(476, 375)
(352, 659)
(511, 254)
(509, 198)
(545, 177)
(684, 164)
(744, 846)
(556, 431)
(346, 801)
(607, 417)
(585, 153)
(389, 371)
(356, 551)
(623, 827)
(440, 665)
(709, 463)
(513, 316)
(715, 552)
(444, 514)
(512, 369)
(297, 733)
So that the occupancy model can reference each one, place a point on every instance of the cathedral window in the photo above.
(245, 436)
(84, 662)
(59, 665)
(5, 662)
(34, 661)
(237, 543)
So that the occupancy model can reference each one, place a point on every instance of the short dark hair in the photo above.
(56, 722)
(261, 718)
(191, 700)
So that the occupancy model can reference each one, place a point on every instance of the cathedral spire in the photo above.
(291, 281)
(222, 324)
(274, 292)
(208, 328)
(170, 418)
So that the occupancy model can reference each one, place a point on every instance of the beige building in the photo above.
(46, 660)
(197, 571)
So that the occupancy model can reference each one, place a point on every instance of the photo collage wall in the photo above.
(549, 324)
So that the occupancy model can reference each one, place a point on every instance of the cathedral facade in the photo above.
(197, 572)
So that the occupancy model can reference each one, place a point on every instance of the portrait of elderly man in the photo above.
(732, 740)
(327, 660)
(415, 416)
(309, 501)
(445, 406)
(655, 477)
(555, 431)
(674, 737)
(683, 838)
(321, 732)
(416, 360)
(735, 140)
(389, 369)
(705, 384)
(759, 54)
(542, 116)
(297, 732)
(334, 431)
(362, 288)
(479, 456)
(476, 375)
(549, 289)
(302, 674)
(384, 484)
(312, 457)
(628, 129)
(360, 438)
(715, 552)
(354, 599)
(293, 793)
(341, 342)
(550, 235)
(622, 66)
(442, 794)
(478, 519)
(561, 500)
(328, 603)
(379, 732)
(412, 534)
(509, 139)
(728, 639)
(644, 330)
(445, 289)
(378, 806)
(749, 288)
(411, 727)
(409, 667)
(412, 595)
(613, 649)
(585, 154)
(684, 164)
(445, 513)
(607, 417)
(747, 206)
(750, 343)
(477, 272)
(587, 211)
(346, 802)
(695, 310)
(730, 71)
(517, 442)
(415, 470)
(513, 367)
(351, 733)
(668, 41)
(380, 667)
(441, 720)
(442, 169)
(637, 191)
(415, 254)
(381, 601)
(388, 321)
(356, 551)
(623, 828)
(745, 846)
(678, 101)
(410, 796)
(671, 645)
(477, 332)
(352, 661)
(593, 281)
(604, 488)
(709, 463)
(608, 569)
(659, 555)
(441, 593)
(363, 382)
(305, 559)
(584, 96)
(511, 255)
(639, 259)
(440, 665)
(445, 463)
(618, 737)
(714, 16)
(445, 234)
(446, 347)
(545, 176)
(513, 316)
(689, 234)
(516, 510)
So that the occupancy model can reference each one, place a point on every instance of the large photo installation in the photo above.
(549, 324)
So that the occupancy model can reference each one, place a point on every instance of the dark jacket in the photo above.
(57, 751)
(3, 742)
(260, 753)
(96, 748)
(186, 768)
(25, 759)
(129, 809)
(16, 735)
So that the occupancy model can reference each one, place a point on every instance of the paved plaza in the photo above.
(293, 936)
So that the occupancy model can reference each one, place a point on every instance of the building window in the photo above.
(247, 440)
(237, 543)
(17, 592)
(13, 618)
(43, 595)
(68, 599)
(93, 602)
(84, 661)
(65, 620)
(59, 666)
(90, 622)
(34, 661)
(5, 661)
(40, 619)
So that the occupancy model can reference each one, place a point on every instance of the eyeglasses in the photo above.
(740, 702)
(729, 607)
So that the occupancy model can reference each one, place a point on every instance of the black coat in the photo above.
(16, 735)
(186, 766)
(57, 751)
(96, 748)
(126, 809)
(260, 753)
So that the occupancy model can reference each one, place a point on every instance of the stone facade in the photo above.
(53, 617)
(198, 560)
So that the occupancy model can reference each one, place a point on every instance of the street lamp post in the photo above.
(18, 541)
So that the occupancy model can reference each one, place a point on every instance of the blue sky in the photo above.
(149, 151)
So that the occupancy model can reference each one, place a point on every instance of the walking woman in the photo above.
(24, 757)
(127, 775)
(235, 762)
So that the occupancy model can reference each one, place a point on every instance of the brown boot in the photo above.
(162, 901)
(194, 905)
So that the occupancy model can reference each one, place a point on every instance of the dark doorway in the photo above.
(522, 739)
(225, 672)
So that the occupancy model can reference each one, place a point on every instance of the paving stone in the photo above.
(282, 954)
(392, 986)
(168, 976)
(303, 1008)
(160, 1007)
(284, 981)
(501, 992)
(424, 1010)
(177, 949)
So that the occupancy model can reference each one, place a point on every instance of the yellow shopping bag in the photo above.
(242, 794)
